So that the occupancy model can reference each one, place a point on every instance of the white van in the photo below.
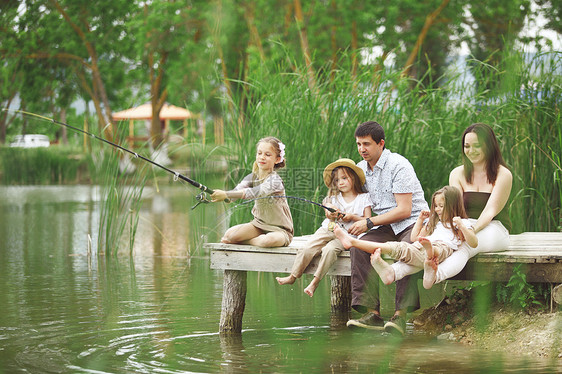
(30, 141)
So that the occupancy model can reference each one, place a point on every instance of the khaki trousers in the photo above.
(322, 242)
(414, 254)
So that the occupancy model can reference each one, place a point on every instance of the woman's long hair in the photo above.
(453, 207)
(491, 149)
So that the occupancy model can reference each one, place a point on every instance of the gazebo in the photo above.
(144, 112)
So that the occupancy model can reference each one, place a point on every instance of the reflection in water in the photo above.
(233, 355)
(159, 310)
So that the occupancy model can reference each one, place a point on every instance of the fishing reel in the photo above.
(337, 222)
(201, 199)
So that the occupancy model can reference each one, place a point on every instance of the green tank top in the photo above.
(475, 202)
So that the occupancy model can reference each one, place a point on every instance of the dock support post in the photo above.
(340, 300)
(233, 301)
(557, 294)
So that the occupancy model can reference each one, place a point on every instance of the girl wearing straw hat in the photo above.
(345, 182)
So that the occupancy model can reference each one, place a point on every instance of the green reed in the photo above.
(120, 194)
(423, 123)
(39, 166)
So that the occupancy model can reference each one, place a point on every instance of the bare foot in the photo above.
(430, 272)
(426, 243)
(309, 290)
(385, 271)
(286, 280)
(343, 236)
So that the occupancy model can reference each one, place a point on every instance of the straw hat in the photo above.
(342, 162)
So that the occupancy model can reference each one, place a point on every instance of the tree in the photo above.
(495, 25)
(10, 68)
(166, 34)
(88, 47)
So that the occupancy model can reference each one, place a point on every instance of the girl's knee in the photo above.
(269, 240)
(331, 251)
(229, 236)
(239, 233)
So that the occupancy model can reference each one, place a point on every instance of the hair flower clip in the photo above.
(281, 151)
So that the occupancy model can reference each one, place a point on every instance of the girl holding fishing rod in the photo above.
(345, 183)
(272, 225)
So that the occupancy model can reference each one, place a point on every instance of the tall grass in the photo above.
(423, 123)
(120, 192)
(53, 165)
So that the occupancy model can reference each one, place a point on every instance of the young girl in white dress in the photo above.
(345, 183)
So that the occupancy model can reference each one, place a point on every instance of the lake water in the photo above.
(157, 311)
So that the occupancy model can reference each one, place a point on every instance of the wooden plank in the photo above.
(541, 253)
(266, 262)
(502, 272)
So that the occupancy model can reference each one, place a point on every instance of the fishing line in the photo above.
(332, 210)
(201, 198)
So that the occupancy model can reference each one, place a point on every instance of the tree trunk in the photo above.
(64, 135)
(157, 98)
(226, 81)
(5, 120)
(354, 52)
(255, 38)
(333, 42)
(305, 46)
(233, 301)
(99, 92)
(429, 21)
(340, 300)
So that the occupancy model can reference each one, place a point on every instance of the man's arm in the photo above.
(402, 211)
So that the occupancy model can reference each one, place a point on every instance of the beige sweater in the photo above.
(269, 214)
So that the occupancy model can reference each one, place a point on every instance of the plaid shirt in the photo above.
(393, 174)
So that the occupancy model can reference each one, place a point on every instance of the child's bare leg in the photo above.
(366, 246)
(309, 290)
(430, 272)
(240, 233)
(290, 279)
(385, 271)
(271, 239)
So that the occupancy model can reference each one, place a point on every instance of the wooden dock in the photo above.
(538, 255)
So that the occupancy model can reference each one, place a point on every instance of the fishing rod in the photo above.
(201, 197)
(331, 210)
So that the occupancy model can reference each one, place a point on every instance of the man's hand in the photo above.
(358, 227)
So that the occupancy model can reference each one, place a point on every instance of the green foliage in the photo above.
(496, 24)
(53, 165)
(121, 186)
(518, 293)
(424, 123)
